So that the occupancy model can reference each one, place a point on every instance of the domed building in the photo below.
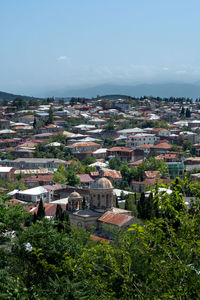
(74, 202)
(102, 197)
(100, 207)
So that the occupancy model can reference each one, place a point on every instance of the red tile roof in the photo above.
(145, 146)
(87, 144)
(114, 219)
(53, 187)
(121, 149)
(50, 209)
(85, 178)
(38, 178)
(112, 174)
(151, 181)
(136, 163)
(162, 146)
(152, 174)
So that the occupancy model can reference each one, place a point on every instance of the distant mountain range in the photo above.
(161, 90)
(10, 97)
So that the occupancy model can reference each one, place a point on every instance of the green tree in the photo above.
(115, 163)
(41, 210)
(50, 119)
(73, 179)
(130, 204)
(187, 145)
(188, 114)
(84, 203)
(141, 207)
(182, 111)
(19, 103)
(110, 125)
(59, 212)
(88, 160)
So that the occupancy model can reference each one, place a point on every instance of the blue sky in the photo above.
(47, 45)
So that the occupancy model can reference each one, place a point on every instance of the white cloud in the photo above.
(181, 72)
(165, 68)
(63, 58)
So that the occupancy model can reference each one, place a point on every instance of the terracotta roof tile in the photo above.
(114, 218)
(121, 149)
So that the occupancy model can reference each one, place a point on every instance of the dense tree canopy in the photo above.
(156, 259)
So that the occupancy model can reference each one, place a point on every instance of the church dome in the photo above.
(74, 195)
(101, 183)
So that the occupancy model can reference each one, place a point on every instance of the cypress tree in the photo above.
(126, 206)
(84, 203)
(142, 206)
(59, 212)
(149, 207)
(117, 204)
(34, 123)
(188, 114)
(41, 210)
(34, 218)
(182, 111)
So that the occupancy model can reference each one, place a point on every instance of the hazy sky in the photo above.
(51, 44)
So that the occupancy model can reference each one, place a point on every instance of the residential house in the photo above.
(124, 153)
(141, 139)
(161, 148)
(33, 181)
(4, 124)
(82, 149)
(34, 163)
(7, 173)
(35, 195)
(122, 105)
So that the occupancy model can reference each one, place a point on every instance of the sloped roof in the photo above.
(85, 178)
(112, 174)
(145, 146)
(152, 174)
(50, 209)
(162, 146)
(116, 219)
(121, 149)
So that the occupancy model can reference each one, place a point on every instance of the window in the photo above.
(99, 201)
(107, 201)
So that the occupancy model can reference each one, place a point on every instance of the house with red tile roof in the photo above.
(124, 153)
(32, 181)
(115, 219)
(82, 149)
(85, 179)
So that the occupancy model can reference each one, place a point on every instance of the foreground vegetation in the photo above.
(155, 259)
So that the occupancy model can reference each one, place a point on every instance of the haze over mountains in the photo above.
(161, 90)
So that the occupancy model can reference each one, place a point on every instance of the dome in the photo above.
(74, 195)
(101, 183)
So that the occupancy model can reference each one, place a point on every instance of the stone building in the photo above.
(75, 202)
(101, 200)
(102, 197)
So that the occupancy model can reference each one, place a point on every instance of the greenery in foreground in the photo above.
(156, 259)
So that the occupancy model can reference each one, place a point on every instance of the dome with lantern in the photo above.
(101, 183)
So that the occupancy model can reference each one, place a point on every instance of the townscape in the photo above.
(96, 165)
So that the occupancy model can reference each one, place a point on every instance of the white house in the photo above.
(141, 139)
(35, 194)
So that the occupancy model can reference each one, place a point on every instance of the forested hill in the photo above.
(10, 97)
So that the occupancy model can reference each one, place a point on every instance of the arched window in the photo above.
(98, 200)
(107, 201)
